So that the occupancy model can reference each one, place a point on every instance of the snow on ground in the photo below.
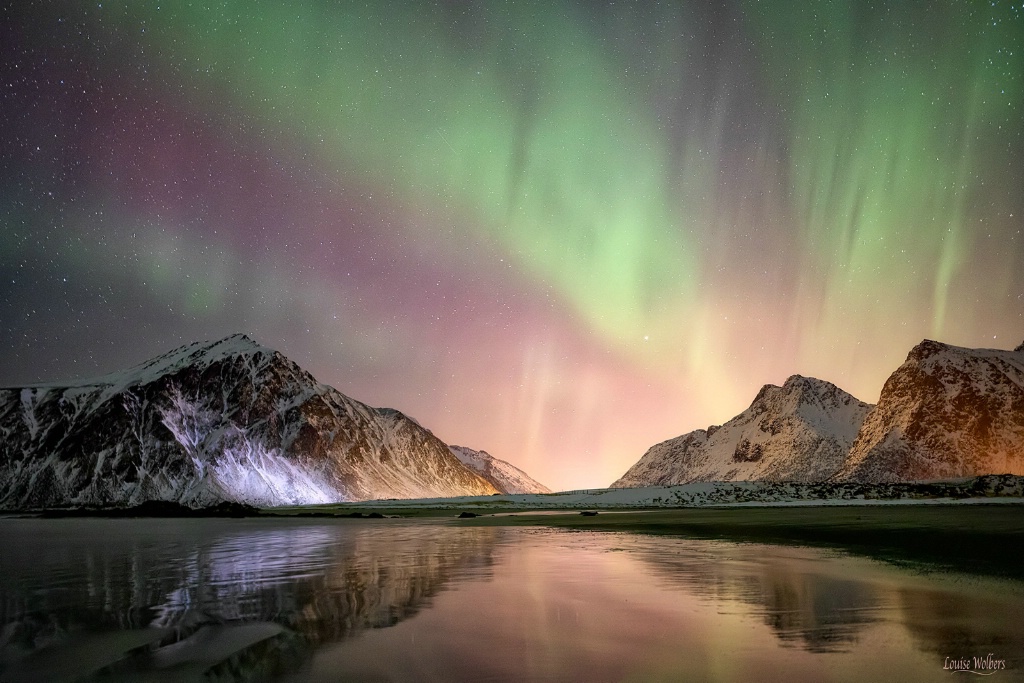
(985, 489)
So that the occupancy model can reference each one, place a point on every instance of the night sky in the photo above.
(557, 231)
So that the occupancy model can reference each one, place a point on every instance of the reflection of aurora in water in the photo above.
(543, 227)
(247, 598)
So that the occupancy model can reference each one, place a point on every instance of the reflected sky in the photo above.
(621, 607)
(394, 600)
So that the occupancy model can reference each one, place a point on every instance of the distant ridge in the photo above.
(505, 477)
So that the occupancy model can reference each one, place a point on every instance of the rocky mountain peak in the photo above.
(223, 420)
(947, 412)
(794, 381)
(799, 392)
(807, 389)
(194, 357)
(925, 349)
(800, 431)
(239, 344)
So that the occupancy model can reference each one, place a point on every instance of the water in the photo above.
(392, 600)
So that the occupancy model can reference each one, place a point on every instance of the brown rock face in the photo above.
(946, 412)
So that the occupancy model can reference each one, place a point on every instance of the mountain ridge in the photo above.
(795, 432)
(224, 420)
(948, 411)
(504, 476)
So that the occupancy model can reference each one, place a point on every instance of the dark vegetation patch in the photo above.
(157, 508)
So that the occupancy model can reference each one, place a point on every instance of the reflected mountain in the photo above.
(172, 600)
(823, 614)
(807, 603)
(789, 589)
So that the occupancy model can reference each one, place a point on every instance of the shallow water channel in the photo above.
(431, 600)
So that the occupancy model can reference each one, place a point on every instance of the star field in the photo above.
(557, 231)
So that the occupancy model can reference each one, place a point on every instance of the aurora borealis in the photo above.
(557, 231)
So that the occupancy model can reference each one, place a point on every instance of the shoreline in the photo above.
(977, 537)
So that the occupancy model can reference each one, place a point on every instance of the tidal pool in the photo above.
(431, 600)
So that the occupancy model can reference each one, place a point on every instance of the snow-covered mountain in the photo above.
(801, 431)
(208, 422)
(946, 412)
(504, 476)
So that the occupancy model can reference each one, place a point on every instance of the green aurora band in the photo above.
(895, 125)
(522, 116)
